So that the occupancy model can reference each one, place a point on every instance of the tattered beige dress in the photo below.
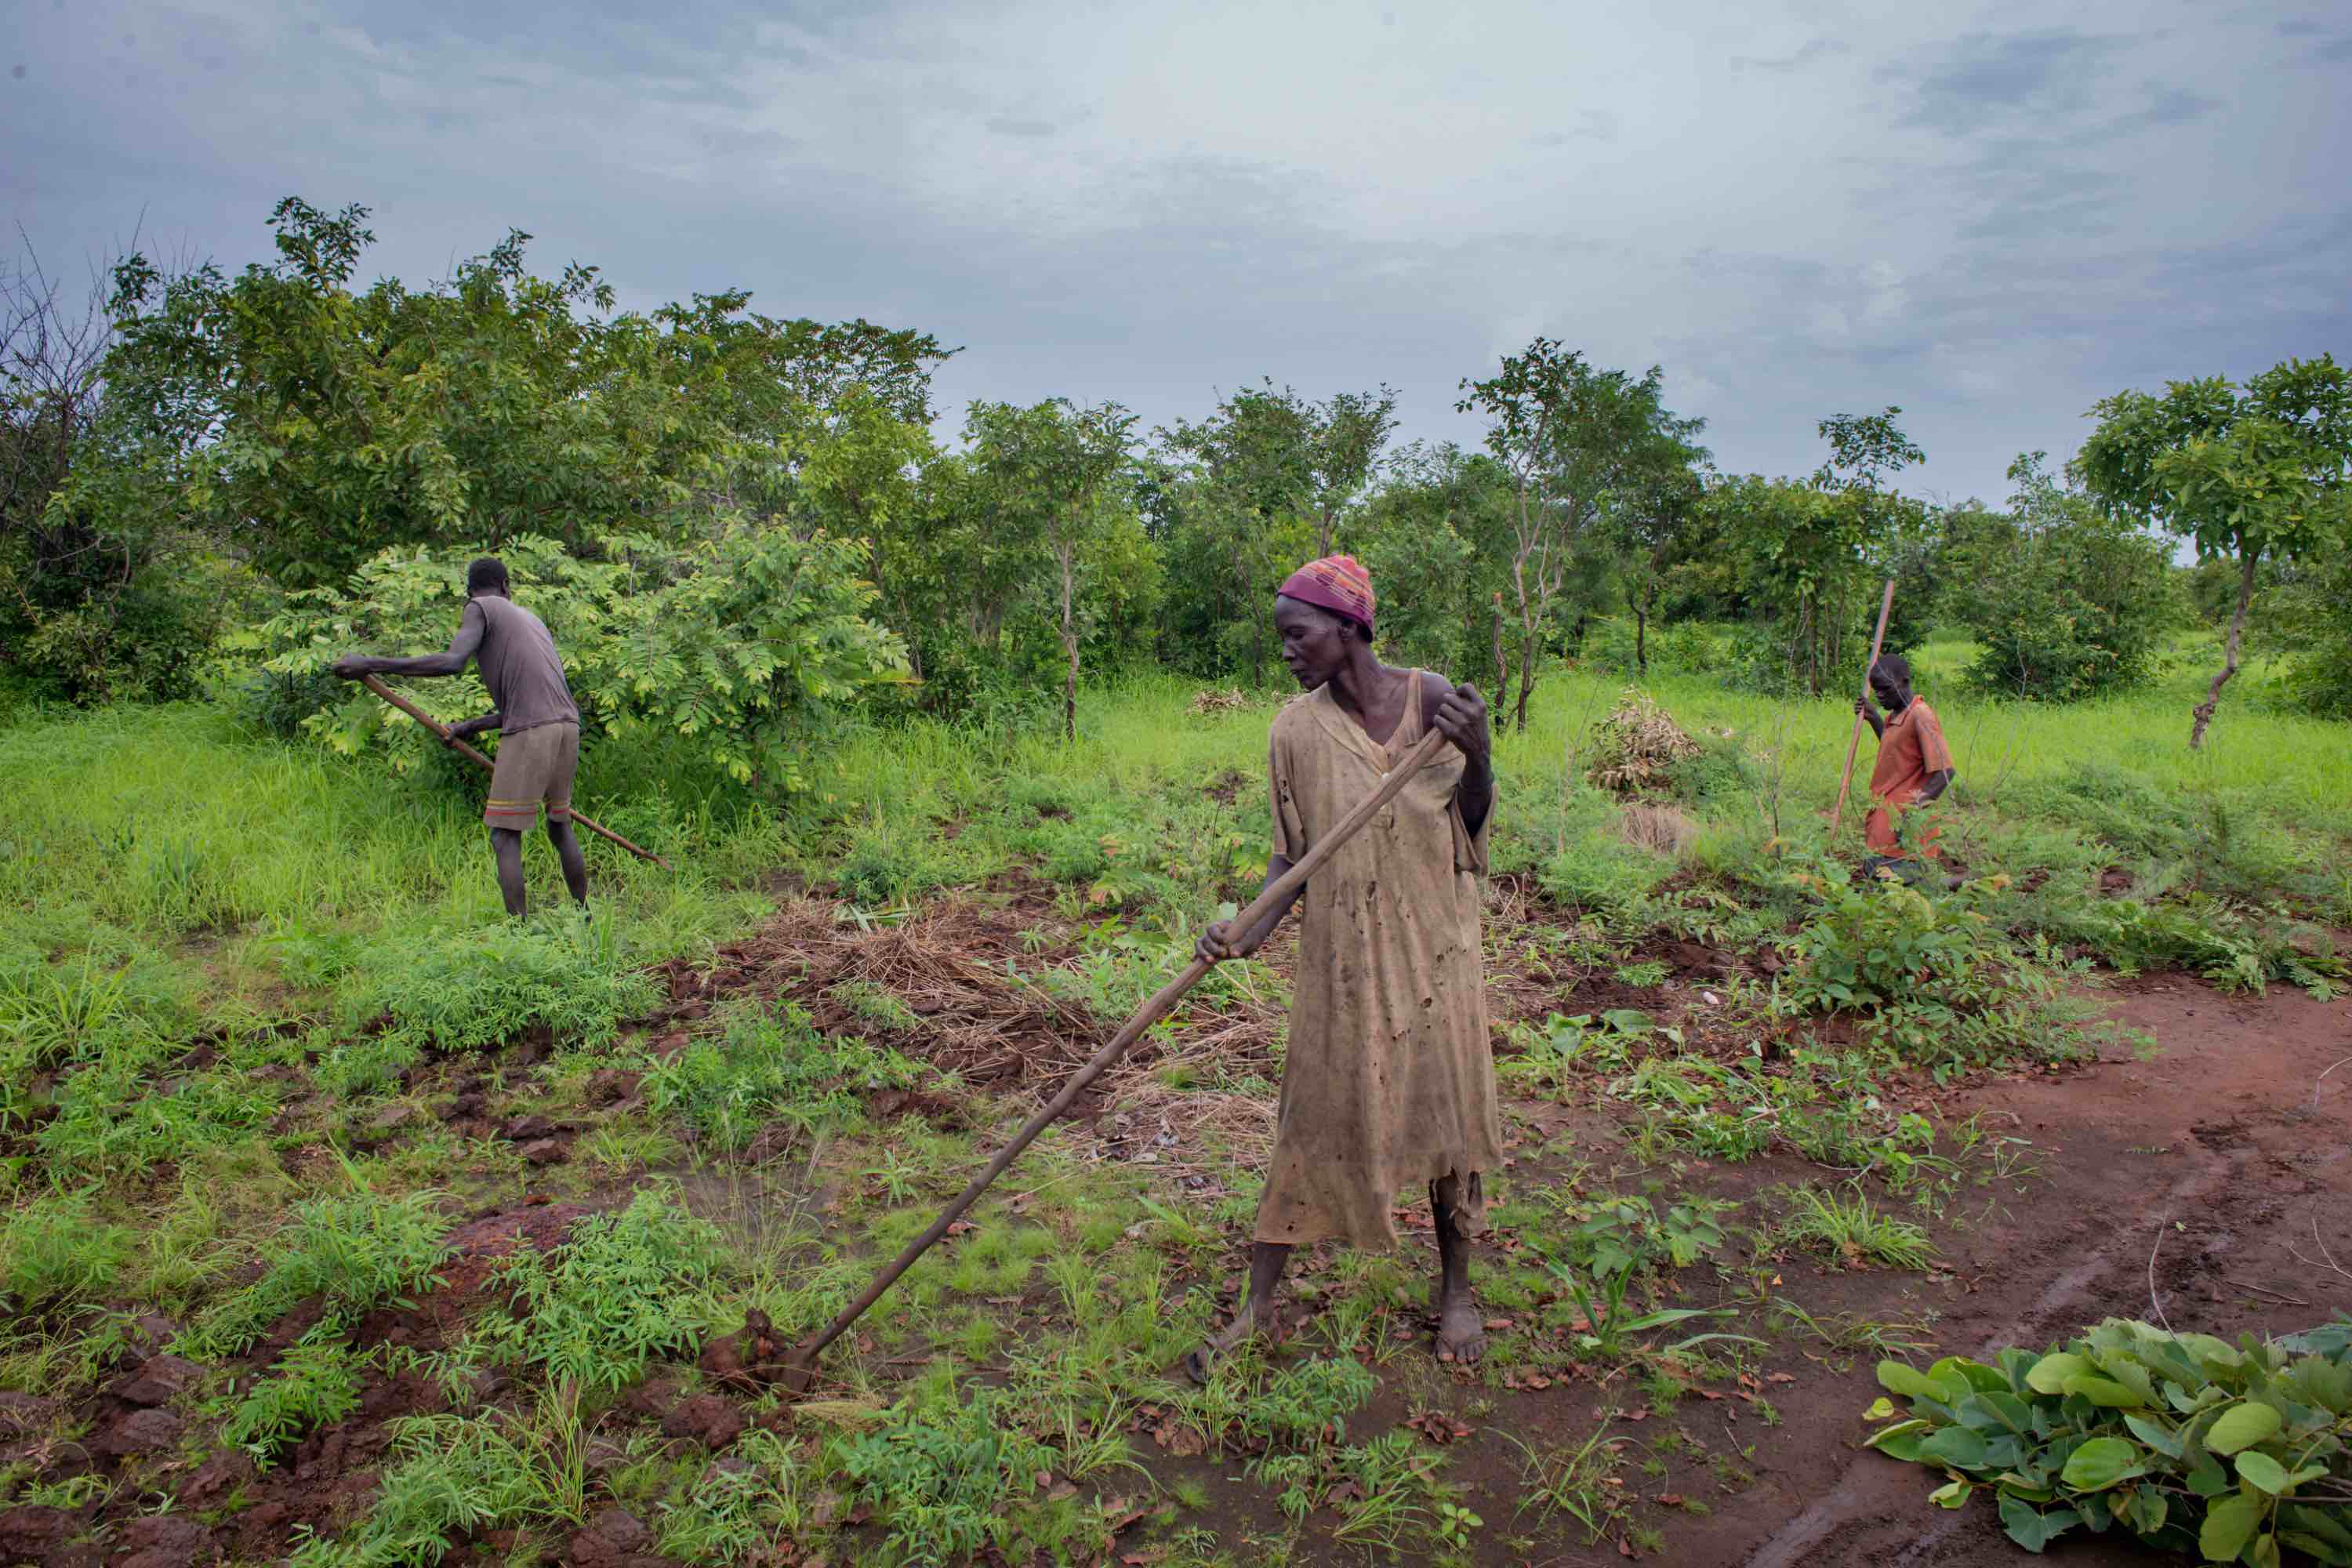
(1389, 1084)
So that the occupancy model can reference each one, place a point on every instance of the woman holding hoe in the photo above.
(1388, 1083)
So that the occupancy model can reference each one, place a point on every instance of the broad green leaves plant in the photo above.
(2236, 1453)
(736, 652)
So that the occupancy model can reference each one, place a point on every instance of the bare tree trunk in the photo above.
(1526, 669)
(1526, 613)
(1502, 669)
(1068, 555)
(2204, 714)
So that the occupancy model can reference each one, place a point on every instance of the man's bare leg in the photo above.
(505, 843)
(1461, 1327)
(1267, 1260)
(567, 850)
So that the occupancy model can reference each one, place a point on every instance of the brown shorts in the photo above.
(533, 766)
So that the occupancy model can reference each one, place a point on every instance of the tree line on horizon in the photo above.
(742, 526)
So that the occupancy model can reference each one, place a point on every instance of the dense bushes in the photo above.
(2063, 601)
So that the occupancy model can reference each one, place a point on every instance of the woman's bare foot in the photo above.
(1461, 1329)
(1202, 1360)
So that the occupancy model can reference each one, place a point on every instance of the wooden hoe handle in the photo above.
(1853, 747)
(1277, 895)
(439, 728)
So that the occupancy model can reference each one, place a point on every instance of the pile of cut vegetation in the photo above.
(1636, 748)
(1207, 704)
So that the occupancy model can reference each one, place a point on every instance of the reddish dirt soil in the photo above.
(2218, 1144)
(2226, 1146)
(2225, 1153)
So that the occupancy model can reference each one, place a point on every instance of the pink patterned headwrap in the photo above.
(1337, 583)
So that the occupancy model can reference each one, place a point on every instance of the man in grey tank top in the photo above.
(537, 722)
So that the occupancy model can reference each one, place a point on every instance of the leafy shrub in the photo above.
(769, 1064)
(2063, 601)
(732, 651)
(55, 1251)
(358, 1252)
(1932, 980)
(621, 1289)
(2234, 1452)
(313, 1385)
(1717, 771)
(942, 1478)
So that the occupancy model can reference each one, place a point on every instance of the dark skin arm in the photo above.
(1460, 715)
(450, 661)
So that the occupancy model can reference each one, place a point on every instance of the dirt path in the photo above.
(2226, 1145)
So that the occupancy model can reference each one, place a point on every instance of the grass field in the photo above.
(509, 1218)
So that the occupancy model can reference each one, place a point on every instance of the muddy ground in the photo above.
(2209, 1183)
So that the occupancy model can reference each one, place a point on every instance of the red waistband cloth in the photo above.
(1338, 584)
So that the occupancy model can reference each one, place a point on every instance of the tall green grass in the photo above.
(132, 834)
(171, 826)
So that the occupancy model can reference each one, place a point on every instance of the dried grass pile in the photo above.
(1208, 704)
(1664, 828)
(1636, 748)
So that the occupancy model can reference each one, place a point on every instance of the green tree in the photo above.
(1436, 539)
(1242, 495)
(85, 616)
(1564, 432)
(2245, 474)
(739, 650)
(1650, 510)
(312, 424)
(1061, 466)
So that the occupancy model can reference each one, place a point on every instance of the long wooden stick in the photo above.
(1277, 894)
(1853, 747)
(439, 728)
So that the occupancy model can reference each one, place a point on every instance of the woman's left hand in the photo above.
(1462, 719)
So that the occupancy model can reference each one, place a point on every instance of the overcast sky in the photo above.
(1797, 208)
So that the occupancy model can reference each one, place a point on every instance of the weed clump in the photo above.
(477, 990)
(769, 1066)
(314, 1385)
(623, 1290)
(358, 1253)
(54, 1251)
(943, 1475)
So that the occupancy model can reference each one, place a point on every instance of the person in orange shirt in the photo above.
(1914, 766)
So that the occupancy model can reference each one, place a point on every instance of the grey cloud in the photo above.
(2341, 49)
(2046, 72)
(1592, 125)
(1809, 53)
(2012, 170)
